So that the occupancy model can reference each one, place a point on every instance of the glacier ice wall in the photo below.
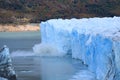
(96, 41)
(57, 36)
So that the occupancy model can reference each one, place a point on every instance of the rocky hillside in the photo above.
(25, 11)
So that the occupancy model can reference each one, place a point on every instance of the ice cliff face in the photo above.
(96, 41)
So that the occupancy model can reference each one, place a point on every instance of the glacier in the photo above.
(95, 41)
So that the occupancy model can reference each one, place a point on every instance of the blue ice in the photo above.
(95, 41)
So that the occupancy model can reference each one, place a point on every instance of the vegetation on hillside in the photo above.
(25, 11)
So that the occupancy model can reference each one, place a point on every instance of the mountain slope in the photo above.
(24, 11)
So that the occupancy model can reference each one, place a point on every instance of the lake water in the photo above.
(34, 66)
(19, 40)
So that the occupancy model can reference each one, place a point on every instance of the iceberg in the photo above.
(95, 41)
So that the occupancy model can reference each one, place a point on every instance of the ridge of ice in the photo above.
(96, 41)
(103, 26)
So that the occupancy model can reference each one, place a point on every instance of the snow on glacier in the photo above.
(96, 41)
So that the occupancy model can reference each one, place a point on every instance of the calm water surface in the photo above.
(32, 67)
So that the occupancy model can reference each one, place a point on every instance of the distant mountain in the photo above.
(24, 11)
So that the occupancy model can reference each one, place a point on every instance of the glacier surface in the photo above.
(95, 41)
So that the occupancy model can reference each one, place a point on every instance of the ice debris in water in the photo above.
(46, 50)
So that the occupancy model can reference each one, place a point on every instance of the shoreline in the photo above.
(19, 28)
